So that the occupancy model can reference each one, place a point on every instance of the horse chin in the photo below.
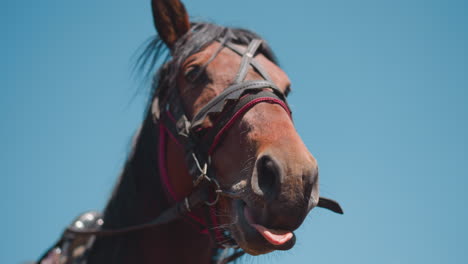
(249, 238)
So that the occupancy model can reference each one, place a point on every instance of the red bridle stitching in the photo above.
(164, 175)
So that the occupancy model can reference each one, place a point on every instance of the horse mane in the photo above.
(140, 174)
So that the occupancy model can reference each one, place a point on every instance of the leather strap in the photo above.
(246, 60)
(254, 63)
(233, 92)
(193, 201)
(214, 135)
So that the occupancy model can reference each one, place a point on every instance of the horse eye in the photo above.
(192, 73)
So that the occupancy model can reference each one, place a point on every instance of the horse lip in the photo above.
(247, 227)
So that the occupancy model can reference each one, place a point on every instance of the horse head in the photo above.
(247, 138)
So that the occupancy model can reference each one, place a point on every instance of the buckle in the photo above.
(211, 181)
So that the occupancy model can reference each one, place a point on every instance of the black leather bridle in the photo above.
(228, 106)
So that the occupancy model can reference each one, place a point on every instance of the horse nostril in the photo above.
(268, 177)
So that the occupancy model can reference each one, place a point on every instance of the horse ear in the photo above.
(170, 19)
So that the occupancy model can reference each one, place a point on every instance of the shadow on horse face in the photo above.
(261, 155)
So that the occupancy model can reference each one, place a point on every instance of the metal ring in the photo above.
(217, 191)
(214, 202)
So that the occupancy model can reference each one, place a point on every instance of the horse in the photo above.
(217, 168)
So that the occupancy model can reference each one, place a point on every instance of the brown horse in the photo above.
(218, 121)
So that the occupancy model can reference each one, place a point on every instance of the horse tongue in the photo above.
(274, 236)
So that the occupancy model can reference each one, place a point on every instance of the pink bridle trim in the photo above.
(170, 116)
(163, 131)
(241, 111)
(162, 163)
(171, 136)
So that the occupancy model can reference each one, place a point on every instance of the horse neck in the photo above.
(140, 197)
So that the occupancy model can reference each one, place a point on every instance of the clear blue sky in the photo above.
(380, 98)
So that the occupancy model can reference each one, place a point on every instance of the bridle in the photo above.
(200, 143)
